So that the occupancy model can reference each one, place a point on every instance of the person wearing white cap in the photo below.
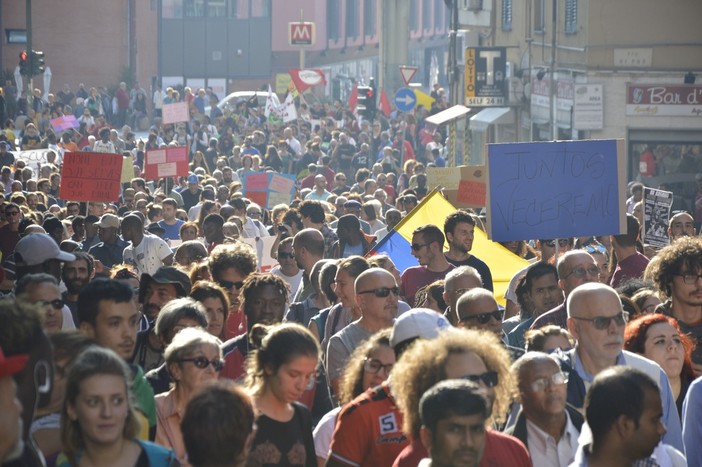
(369, 428)
(111, 248)
(37, 253)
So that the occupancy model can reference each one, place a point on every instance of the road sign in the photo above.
(301, 33)
(408, 73)
(405, 99)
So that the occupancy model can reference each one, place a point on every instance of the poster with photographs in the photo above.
(656, 205)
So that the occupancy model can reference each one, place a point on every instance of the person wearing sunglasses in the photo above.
(540, 289)
(428, 248)
(477, 309)
(42, 289)
(9, 233)
(193, 359)
(376, 294)
(597, 321)
(630, 263)
(544, 417)
(574, 268)
(287, 268)
(467, 354)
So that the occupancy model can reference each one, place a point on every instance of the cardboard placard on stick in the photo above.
(91, 176)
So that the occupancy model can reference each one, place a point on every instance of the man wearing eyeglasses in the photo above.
(377, 296)
(427, 246)
(42, 289)
(478, 309)
(677, 276)
(597, 320)
(547, 426)
(575, 268)
(9, 233)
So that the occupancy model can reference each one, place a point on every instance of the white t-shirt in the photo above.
(292, 281)
(323, 433)
(148, 256)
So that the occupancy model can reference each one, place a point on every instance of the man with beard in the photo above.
(76, 275)
(459, 229)
(154, 292)
(540, 287)
(111, 248)
(108, 315)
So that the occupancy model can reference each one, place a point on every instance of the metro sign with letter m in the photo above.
(301, 33)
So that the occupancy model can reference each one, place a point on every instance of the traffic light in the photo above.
(23, 63)
(38, 65)
(366, 102)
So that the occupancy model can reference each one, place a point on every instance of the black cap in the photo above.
(166, 275)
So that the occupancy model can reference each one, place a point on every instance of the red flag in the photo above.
(353, 99)
(306, 78)
(385, 103)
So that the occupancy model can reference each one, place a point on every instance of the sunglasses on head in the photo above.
(382, 292)
(229, 285)
(202, 363)
(603, 322)
(55, 304)
(489, 378)
(484, 318)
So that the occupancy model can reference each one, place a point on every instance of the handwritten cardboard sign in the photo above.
(166, 162)
(91, 176)
(174, 113)
(464, 186)
(556, 189)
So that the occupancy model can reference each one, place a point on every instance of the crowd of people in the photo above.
(144, 331)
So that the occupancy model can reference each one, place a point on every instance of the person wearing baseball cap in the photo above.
(11, 444)
(110, 250)
(37, 253)
(155, 290)
(358, 438)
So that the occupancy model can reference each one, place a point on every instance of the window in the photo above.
(439, 13)
(172, 9)
(369, 17)
(238, 8)
(194, 8)
(16, 36)
(351, 18)
(414, 16)
(426, 14)
(571, 16)
(333, 14)
(216, 8)
(506, 15)
(260, 8)
(539, 16)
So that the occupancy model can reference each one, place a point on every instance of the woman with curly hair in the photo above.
(368, 366)
(454, 354)
(659, 338)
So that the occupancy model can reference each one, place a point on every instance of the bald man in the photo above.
(376, 295)
(146, 253)
(457, 282)
(597, 320)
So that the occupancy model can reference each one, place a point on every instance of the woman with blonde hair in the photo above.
(99, 425)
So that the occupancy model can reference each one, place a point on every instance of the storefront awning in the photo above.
(445, 116)
(490, 116)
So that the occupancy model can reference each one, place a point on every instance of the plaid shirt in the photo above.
(330, 239)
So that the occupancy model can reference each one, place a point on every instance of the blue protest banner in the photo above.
(556, 189)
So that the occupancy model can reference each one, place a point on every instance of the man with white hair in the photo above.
(597, 320)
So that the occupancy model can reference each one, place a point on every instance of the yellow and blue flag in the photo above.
(433, 209)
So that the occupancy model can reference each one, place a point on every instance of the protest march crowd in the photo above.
(291, 291)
